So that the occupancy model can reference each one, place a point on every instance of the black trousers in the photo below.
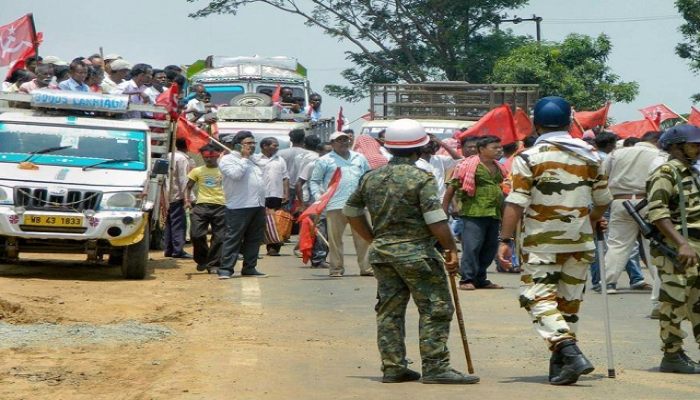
(245, 231)
(202, 217)
(175, 229)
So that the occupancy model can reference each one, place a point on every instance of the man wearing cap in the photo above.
(108, 59)
(352, 165)
(555, 182)
(673, 191)
(407, 217)
(118, 71)
(209, 211)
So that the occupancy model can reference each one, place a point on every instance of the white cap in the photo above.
(112, 57)
(119, 64)
(50, 60)
(336, 135)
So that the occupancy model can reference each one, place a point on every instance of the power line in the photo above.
(561, 21)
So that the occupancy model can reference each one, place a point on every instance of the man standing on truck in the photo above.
(175, 224)
(210, 210)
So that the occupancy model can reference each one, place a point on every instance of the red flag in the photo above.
(341, 120)
(21, 62)
(591, 119)
(634, 128)
(659, 113)
(194, 136)
(307, 231)
(694, 117)
(575, 129)
(15, 39)
(368, 117)
(497, 122)
(168, 99)
(277, 94)
(523, 125)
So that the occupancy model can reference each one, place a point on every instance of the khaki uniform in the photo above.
(680, 292)
(556, 188)
(402, 201)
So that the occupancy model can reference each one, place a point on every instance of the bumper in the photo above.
(119, 227)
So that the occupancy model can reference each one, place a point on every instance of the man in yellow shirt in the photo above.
(209, 210)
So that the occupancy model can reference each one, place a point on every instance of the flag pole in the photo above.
(34, 40)
(680, 116)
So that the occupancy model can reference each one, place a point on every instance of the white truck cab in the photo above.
(76, 178)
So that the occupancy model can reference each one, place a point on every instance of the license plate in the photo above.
(53, 220)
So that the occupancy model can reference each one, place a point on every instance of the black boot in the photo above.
(556, 362)
(575, 364)
(679, 363)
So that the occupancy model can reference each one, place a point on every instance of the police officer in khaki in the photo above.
(407, 217)
(673, 191)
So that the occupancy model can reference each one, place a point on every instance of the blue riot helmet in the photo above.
(552, 112)
(679, 134)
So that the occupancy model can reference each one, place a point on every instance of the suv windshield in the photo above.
(72, 146)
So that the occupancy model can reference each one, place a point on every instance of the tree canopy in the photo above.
(402, 40)
(690, 48)
(575, 69)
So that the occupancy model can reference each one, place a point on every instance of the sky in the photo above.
(159, 32)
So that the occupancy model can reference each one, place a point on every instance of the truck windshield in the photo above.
(72, 146)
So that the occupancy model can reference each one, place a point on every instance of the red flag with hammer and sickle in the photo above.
(15, 38)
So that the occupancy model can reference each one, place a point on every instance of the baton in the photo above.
(600, 250)
(460, 322)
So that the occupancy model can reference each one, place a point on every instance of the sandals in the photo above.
(467, 286)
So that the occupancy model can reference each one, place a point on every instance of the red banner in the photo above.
(575, 129)
(634, 128)
(659, 113)
(523, 125)
(497, 122)
(694, 117)
(168, 99)
(16, 38)
(307, 230)
(591, 119)
(341, 120)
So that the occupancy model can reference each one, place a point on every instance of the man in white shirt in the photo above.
(116, 75)
(135, 88)
(276, 183)
(438, 165)
(244, 190)
(295, 159)
(175, 223)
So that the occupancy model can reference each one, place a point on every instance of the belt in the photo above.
(629, 196)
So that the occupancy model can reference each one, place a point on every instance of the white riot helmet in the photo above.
(405, 134)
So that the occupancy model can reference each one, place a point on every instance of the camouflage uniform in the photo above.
(556, 188)
(680, 292)
(402, 200)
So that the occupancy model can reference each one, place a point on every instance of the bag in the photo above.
(278, 226)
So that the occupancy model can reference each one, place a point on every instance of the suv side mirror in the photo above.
(160, 167)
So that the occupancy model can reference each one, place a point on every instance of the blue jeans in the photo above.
(632, 268)
(479, 247)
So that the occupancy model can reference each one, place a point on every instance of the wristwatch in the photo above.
(508, 240)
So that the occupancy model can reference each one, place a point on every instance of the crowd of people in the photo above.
(531, 207)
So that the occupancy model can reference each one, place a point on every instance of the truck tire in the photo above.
(251, 100)
(135, 259)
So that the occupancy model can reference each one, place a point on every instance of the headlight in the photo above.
(121, 201)
(5, 196)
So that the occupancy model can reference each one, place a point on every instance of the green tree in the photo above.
(690, 48)
(401, 40)
(575, 69)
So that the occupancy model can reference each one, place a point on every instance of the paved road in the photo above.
(298, 334)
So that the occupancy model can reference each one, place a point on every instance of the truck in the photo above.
(444, 108)
(241, 88)
(77, 176)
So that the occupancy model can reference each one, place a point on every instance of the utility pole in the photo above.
(517, 20)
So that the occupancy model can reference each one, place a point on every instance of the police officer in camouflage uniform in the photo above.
(676, 213)
(406, 218)
(555, 183)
